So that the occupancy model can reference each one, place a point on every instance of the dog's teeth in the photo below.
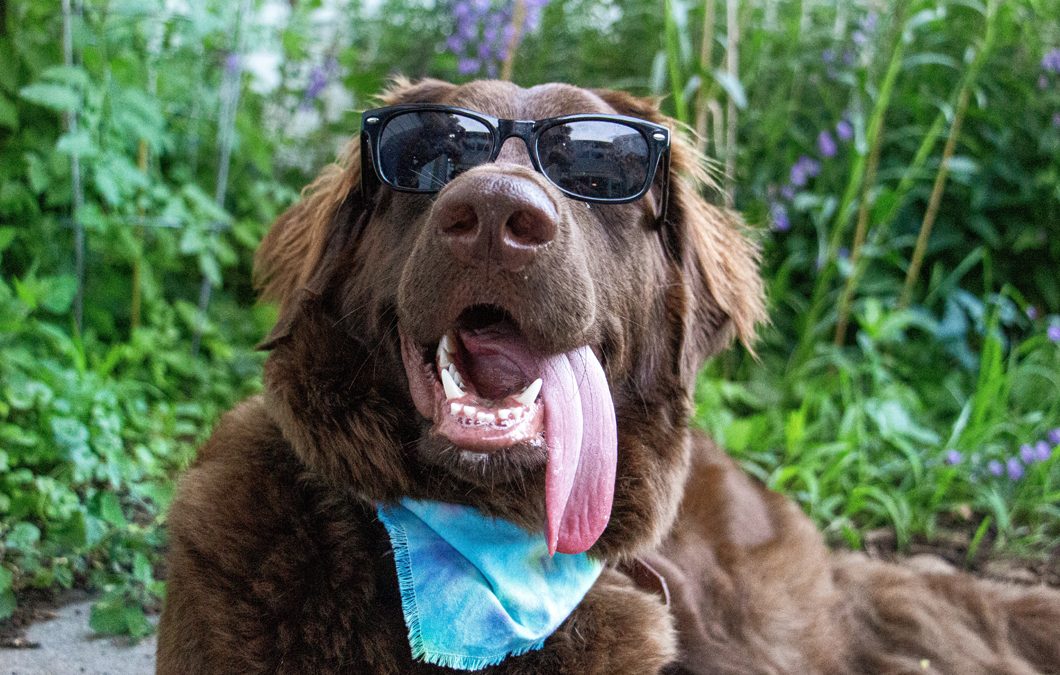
(456, 375)
(529, 394)
(445, 358)
(452, 389)
(505, 414)
(455, 408)
(486, 417)
(469, 410)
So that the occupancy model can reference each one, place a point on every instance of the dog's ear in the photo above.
(292, 261)
(288, 263)
(716, 259)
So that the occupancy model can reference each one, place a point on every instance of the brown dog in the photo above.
(279, 564)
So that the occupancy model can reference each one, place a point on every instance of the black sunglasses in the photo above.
(606, 159)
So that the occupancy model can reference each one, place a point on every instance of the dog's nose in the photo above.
(495, 218)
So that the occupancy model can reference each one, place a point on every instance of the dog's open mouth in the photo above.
(485, 389)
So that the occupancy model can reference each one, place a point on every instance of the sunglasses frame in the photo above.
(656, 136)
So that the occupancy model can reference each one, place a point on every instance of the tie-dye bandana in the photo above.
(476, 590)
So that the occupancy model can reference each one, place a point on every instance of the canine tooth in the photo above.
(529, 394)
(445, 358)
(452, 389)
(455, 375)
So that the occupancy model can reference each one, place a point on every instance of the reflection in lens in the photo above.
(424, 150)
(596, 159)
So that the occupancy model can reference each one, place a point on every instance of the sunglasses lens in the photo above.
(424, 150)
(595, 159)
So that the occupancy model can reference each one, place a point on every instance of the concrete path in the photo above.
(69, 647)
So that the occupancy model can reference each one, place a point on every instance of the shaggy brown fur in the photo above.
(277, 561)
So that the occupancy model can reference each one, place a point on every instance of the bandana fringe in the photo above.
(578, 573)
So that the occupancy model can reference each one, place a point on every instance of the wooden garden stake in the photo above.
(76, 188)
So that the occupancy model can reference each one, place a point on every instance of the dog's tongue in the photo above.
(582, 439)
(580, 432)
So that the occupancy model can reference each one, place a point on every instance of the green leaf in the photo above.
(6, 578)
(74, 76)
(36, 173)
(79, 143)
(110, 509)
(59, 294)
(142, 569)
(733, 87)
(136, 622)
(52, 96)
(8, 113)
(7, 235)
(108, 617)
(23, 536)
(7, 604)
(71, 535)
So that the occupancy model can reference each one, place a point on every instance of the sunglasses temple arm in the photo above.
(369, 181)
(665, 198)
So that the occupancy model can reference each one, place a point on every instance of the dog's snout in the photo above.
(495, 218)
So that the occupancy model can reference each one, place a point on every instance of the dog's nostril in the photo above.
(530, 228)
(460, 219)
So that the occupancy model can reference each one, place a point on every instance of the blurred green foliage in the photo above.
(912, 419)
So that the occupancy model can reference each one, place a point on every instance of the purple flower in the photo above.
(1056, 120)
(803, 170)
(868, 24)
(779, 216)
(1027, 453)
(1053, 333)
(232, 63)
(953, 457)
(788, 192)
(844, 130)
(1014, 468)
(859, 38)
(843, 253)
(318, 80)
(1054, 436)
(828, 56)
(995, 467)
(848, 58)
(1042, 451)
(826, 145)
(1051, 61)
(466, 66)
(1032, 312)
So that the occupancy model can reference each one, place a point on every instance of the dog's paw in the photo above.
(616, 630)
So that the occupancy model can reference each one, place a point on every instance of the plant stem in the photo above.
(75, 180)
(136, 300)
(842, 321)
(518, 23)
(732, 68)
(937, 190)
(928, 223)
(673, 49)
(706, 60)
(807, 334)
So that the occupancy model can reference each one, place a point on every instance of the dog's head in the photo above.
(498, 343)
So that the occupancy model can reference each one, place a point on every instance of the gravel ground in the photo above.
(67, 646)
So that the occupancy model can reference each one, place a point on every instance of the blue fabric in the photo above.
(476, 590)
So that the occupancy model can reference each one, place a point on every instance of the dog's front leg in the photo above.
(617, 629)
